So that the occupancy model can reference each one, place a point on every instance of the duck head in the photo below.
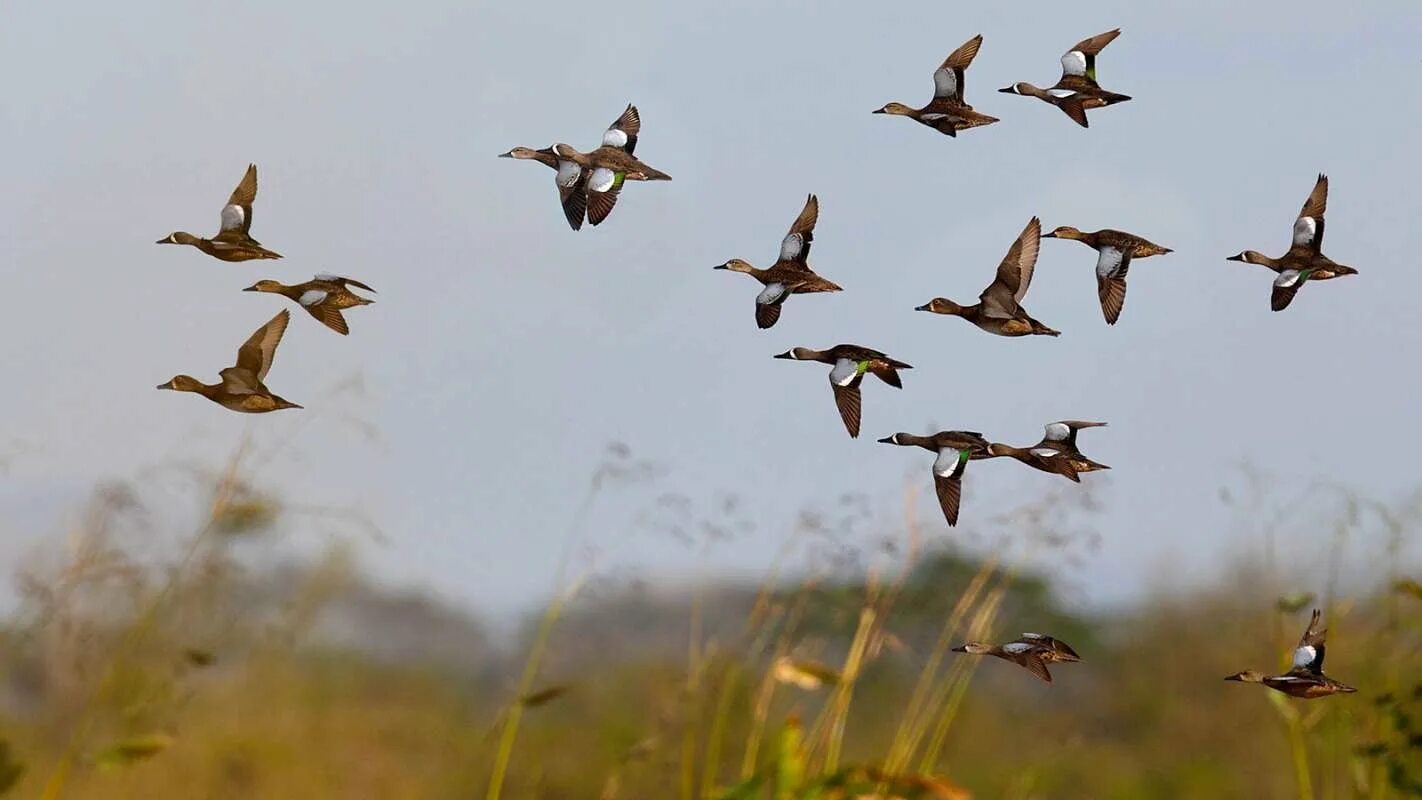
(894, 439)
(797, 354)
(1248, 676)
(1063, 232)
(183, 383)
(941, 305)
(264, 286)
(735, 265)
(896, 109)
(520, 153)
(973, 648)
(1018, 88)
(1250, 257)
(178, 237)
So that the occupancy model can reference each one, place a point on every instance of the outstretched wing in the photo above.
(1014, 274)
(795, 247)
(948, 481)
(623, 132)
(256, 354)
(948, 79)
(1285, 287)
(342, 280)
(1081, 59)
(847, 400)
(603, 189)
(1308, 656)
(1308, 228)
(237, 214)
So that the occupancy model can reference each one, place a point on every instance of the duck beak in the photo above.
(885, 440)
(1051, 235)
(721, 266)
(1008, 90)
(877, 111)
(163, 386)
(961, 649)
(1239, 257)
(784, 355)
(250, 289)
(923, 307)
(164, 240)
(509, 154)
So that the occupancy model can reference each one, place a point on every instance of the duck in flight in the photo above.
(604, 170)
(232, 242)
(851, 363)
(791, 273)
(1305, 260)
(242, 388)
(955, 449)
(1114, 252)
(1305, 679)
(1031, 651)
(947, 112)
(1056, 453)
(324, 297)
(999, 308)
(1077, 89)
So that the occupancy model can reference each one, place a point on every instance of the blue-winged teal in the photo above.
(242, 388)
(571, 180)
(851, 362)
(323, 297)
(1077, 89)
(947, 112)
(791, 273)
(1056, 453)
(955, 449)
(999, 307)
(1114, 251)
(1305, 679)
(1305, 260)
(1031, 651)
(611, 164)
(232, 242)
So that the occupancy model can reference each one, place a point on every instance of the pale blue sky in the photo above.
(505, 350)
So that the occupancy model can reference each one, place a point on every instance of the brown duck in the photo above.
(1114, 252)
(571, 180)
(1031, 651)
(947, 112)
(999, 307)
(791, 273)
(1077, 89)
(323, 297)
(611, 164)
(232, 242)
(1305, 260)
(955, 449)
(1056, 453)
(851, 363)
(1305, 679)
(242, 387)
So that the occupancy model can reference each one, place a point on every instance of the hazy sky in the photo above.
(505, 350)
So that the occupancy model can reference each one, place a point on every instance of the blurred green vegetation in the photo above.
(198, 673)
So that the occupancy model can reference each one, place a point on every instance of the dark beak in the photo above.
(877, 111)
(886, 440)
(509, 154)
(1049, 236)
(923, 307)
(720, 266)
(250, 289)
(164, 240)
(961, 649)
(784, 355)
(1008, 90)
(1239, 257)
(163, 386)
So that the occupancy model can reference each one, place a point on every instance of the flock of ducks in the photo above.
(324, 297)
(590, 183)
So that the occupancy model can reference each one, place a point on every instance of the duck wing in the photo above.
(341, 281)
(847, 400)
(623, 131)
(948, 471)
(1112, 263)
(256, 354)
(1285, 287)
(1004, 295)
(795, 247)
(572, 183)
(1308, 228)
(1081, 58)
(328, 314)
(603, 188)
(237, 214)
(1051, 643)
(768, 303)
(1308, 656)
(948, 79)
